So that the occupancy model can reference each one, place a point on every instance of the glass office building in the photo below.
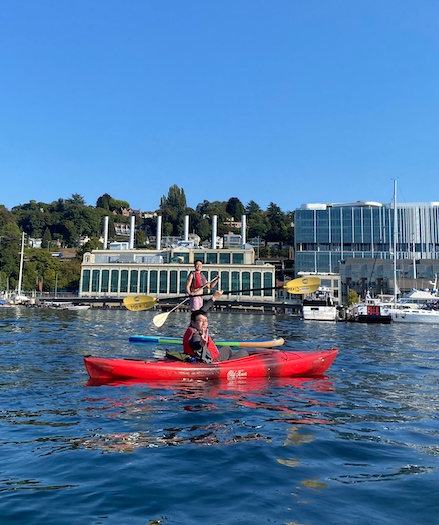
(326, 234)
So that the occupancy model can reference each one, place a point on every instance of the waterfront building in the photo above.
(326, 235)
(162, 273)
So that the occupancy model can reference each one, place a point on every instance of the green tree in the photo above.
(352, 297)
(104, 201)
(140, 238)
(47, 239)
(252, 207)
(76, 200)
(89, 246)
(235, 208)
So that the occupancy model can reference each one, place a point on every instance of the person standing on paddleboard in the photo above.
(195, 284)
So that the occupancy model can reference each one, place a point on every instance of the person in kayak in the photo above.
(198, 344)
(195, 284)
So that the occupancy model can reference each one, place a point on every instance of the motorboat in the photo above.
(319, 306)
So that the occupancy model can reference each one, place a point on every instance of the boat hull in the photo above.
(319, 313)
(264, 343)
(257, 364)
(416, 316)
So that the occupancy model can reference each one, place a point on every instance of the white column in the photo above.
(214, 230)
(243, 229)
(21, 266)
(105, 231)
(186, 228)
(159, 232)
(132, 228)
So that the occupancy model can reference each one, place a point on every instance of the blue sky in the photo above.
(282, 101)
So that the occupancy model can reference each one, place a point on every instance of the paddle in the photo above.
(139, 302)
(160, 319)
(300, 286)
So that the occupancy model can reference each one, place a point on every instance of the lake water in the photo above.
(359, 446)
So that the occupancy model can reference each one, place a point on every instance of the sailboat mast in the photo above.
(395, 236)
(21, 267)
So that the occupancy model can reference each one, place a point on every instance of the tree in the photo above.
(352, 297)
(89, 246)
(176, 199)
(76, 200)
(235, 208)
(47, 238)
(140, 238)
(252, 207)
(104, 201)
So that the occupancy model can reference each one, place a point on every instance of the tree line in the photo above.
(63, 222)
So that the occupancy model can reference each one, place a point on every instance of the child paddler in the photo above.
(195, 284)
(197, 342)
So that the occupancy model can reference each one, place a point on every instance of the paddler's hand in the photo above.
(217, 294)
(204, 337)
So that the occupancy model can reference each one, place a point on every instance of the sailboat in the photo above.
(403, 311)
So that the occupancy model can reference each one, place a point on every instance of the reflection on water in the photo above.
(278, 450)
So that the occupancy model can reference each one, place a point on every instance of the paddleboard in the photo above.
(262, 343)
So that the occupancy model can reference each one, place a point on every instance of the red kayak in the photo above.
(270, 363)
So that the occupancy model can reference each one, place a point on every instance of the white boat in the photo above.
(76, 307)
(371, 310)
(4, 304)
(319, 306)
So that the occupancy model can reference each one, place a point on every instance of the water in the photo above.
(358, 446)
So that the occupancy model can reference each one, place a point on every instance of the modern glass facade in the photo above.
(325, 235)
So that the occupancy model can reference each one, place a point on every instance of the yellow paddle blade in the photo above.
(303, 285)
(139, 302)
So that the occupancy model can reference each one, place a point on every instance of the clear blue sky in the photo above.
(284, 101)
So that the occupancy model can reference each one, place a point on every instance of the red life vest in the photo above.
(187, 347)
(198, 281)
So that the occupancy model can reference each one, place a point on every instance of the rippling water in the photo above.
(357, 446)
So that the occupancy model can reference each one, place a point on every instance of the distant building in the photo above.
(163, 273)
(232, 240)
(356, 240)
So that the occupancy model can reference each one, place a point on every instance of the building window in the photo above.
(245, 282)
(268, 283)
(114, 280)
(163, 281)
(225, 281)
(173, 282)
(224, 258)
(213, 274)
(199, 256)
(124, 281)
(257, 283)
(143, 281)
(86, 280)
(183, 279)
(105, 280)
(235, 282)
(153, 281)
(134, 276)
(95, 281)
(237, 258)
(211, 258)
